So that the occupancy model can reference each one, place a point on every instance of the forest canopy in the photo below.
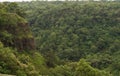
(60, 38)
(69, 31)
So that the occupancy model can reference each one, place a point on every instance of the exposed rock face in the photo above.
(24, 44)
(15, 32)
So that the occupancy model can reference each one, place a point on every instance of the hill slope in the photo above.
(76, 30)
(16, 45)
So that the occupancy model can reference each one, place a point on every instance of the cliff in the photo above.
(15, 31)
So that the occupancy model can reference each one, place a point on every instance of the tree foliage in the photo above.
(75, 30)
(65, 32)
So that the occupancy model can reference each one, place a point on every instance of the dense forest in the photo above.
(70, 38)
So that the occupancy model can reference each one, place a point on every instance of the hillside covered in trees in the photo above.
(60, 38)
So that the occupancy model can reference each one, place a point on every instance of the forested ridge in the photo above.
(60, 38)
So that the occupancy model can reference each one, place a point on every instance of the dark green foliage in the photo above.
(14, 31)
(72, 30)
(75, 30)
(65, 32)
(15, 34)
(81, 68)
(17, 64)
(100, 61)
(14, 8)
(84, 69)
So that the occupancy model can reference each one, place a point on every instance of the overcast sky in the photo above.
(14, 0)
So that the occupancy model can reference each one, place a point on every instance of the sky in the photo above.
(13, 0)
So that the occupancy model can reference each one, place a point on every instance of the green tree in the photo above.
(84, 69)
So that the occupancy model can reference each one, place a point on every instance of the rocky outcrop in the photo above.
(15, 32)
